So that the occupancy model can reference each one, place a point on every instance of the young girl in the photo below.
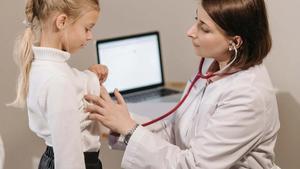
(52, 89)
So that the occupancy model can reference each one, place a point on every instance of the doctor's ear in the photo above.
(235, 43)
(61, 21)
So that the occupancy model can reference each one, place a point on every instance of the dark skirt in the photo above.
(91, 160)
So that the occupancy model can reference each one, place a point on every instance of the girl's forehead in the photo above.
(90, 16)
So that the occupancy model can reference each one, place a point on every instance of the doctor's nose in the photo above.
(192, 31)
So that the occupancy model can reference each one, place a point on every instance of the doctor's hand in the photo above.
(101, 71)
(113, 115)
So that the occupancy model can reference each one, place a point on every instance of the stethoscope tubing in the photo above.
(198, 76)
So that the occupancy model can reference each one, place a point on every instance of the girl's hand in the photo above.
(101, 71)
(114, 116)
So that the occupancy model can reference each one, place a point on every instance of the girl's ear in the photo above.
(61, 21)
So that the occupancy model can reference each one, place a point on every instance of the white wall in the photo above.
(284, 70)
(172, 19)
(284, 57)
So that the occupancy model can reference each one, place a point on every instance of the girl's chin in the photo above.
(84, 45)
(72, 51)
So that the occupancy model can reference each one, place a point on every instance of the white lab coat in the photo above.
(231, 123)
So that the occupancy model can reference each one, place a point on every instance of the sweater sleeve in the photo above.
(91, 86)
(64, 123)
(90, 79)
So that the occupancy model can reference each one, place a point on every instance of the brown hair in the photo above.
(37, 12)
(247, 19)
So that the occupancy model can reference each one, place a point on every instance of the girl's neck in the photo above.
(50, 40)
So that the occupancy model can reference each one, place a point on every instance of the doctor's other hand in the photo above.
(113, 115)
(101, 71)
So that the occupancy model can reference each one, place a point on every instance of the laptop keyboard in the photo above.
(151, 94)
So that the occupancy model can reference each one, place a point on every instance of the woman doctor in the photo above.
(229, 118)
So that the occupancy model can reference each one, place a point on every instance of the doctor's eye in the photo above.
(203, 27)
(205, 30)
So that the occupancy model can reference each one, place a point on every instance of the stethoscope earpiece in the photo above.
(232, 46)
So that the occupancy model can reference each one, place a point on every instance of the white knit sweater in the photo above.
(55, 107)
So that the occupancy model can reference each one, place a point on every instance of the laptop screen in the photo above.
(134, 62)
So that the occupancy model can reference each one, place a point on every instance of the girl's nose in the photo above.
(89, 36)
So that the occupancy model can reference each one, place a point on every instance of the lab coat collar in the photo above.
(50, 54)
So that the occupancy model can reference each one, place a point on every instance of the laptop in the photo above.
(135, 67)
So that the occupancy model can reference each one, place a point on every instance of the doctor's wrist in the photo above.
(128, 127)
(129, 133)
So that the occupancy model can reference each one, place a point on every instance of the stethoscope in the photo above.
(197, 77)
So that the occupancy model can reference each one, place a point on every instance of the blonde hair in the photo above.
(37, 12)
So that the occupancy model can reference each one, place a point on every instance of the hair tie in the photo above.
(27, 24)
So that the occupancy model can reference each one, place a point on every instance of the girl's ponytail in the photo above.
(23, 57)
